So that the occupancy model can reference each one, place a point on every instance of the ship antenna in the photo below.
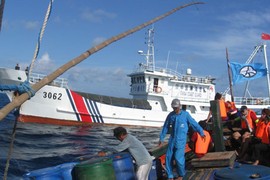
(150, 56)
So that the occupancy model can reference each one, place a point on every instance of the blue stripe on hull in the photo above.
(73, 105)
(94, 111)
(97, 111)
(94, 117)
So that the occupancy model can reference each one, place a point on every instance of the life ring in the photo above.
(158, 90)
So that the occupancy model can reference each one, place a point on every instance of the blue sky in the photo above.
(196, 36)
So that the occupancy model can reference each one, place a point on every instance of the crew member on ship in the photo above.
(17, 67)
(223, 112)
(248, 120)
(262, 132)
(136, 148)
(179, 121)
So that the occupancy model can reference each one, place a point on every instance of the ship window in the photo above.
(200, 89)
(196, 88)
(191, 88)
(149, 78)
(182, 87)
(186, 87)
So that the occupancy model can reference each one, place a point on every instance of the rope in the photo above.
(11, 145)
(47, 16)
(24, 87)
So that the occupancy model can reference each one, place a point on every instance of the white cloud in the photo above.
(98, 40)
(96, 15)
(31, 24)
(98, 80)
(247, 18)
(44, 64)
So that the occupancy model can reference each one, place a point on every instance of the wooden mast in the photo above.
(230, 75)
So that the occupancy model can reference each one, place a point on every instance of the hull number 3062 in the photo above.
(50, 95)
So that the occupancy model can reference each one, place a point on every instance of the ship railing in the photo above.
(59, 82)
(252, 100)
(201, 100)
(178, 76)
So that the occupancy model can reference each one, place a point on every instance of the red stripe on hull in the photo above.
(41, 120)
(81, 107)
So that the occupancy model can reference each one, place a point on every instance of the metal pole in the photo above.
(266, 65)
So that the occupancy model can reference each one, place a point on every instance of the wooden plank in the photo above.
(159, 151)
(215, 159)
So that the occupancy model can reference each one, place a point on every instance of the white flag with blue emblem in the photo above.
(246, 72)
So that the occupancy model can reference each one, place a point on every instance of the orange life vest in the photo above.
(265, 136)
(249, 121)
(260, 129)
(231, 108)
(201, 146)
(223, 111)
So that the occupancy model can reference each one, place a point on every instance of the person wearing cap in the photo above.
(136, 148)
(179, 121)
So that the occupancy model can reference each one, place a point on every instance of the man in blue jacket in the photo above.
(179, 120)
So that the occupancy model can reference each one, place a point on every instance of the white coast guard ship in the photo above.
(152, 90)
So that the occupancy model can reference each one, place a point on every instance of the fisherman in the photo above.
(179, 120)
(26, 70)
(248, 119)
(263, 133)
(136, 148)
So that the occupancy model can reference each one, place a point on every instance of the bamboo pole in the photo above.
(17, 101)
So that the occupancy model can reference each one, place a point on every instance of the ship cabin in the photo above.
(161, 86)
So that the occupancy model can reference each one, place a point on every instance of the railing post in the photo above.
(217, 126)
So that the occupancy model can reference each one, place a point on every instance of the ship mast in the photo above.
(266, 65)
(149, 56)
(257, 48)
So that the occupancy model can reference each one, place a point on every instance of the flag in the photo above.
(246, 72)
(265, 36)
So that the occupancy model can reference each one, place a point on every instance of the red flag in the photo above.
(265, 36)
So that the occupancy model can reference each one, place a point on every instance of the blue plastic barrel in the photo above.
(59, 172)
(156, 170)
(243, 172)
(123, 166)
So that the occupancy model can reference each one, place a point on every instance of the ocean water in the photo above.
(39, 146)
